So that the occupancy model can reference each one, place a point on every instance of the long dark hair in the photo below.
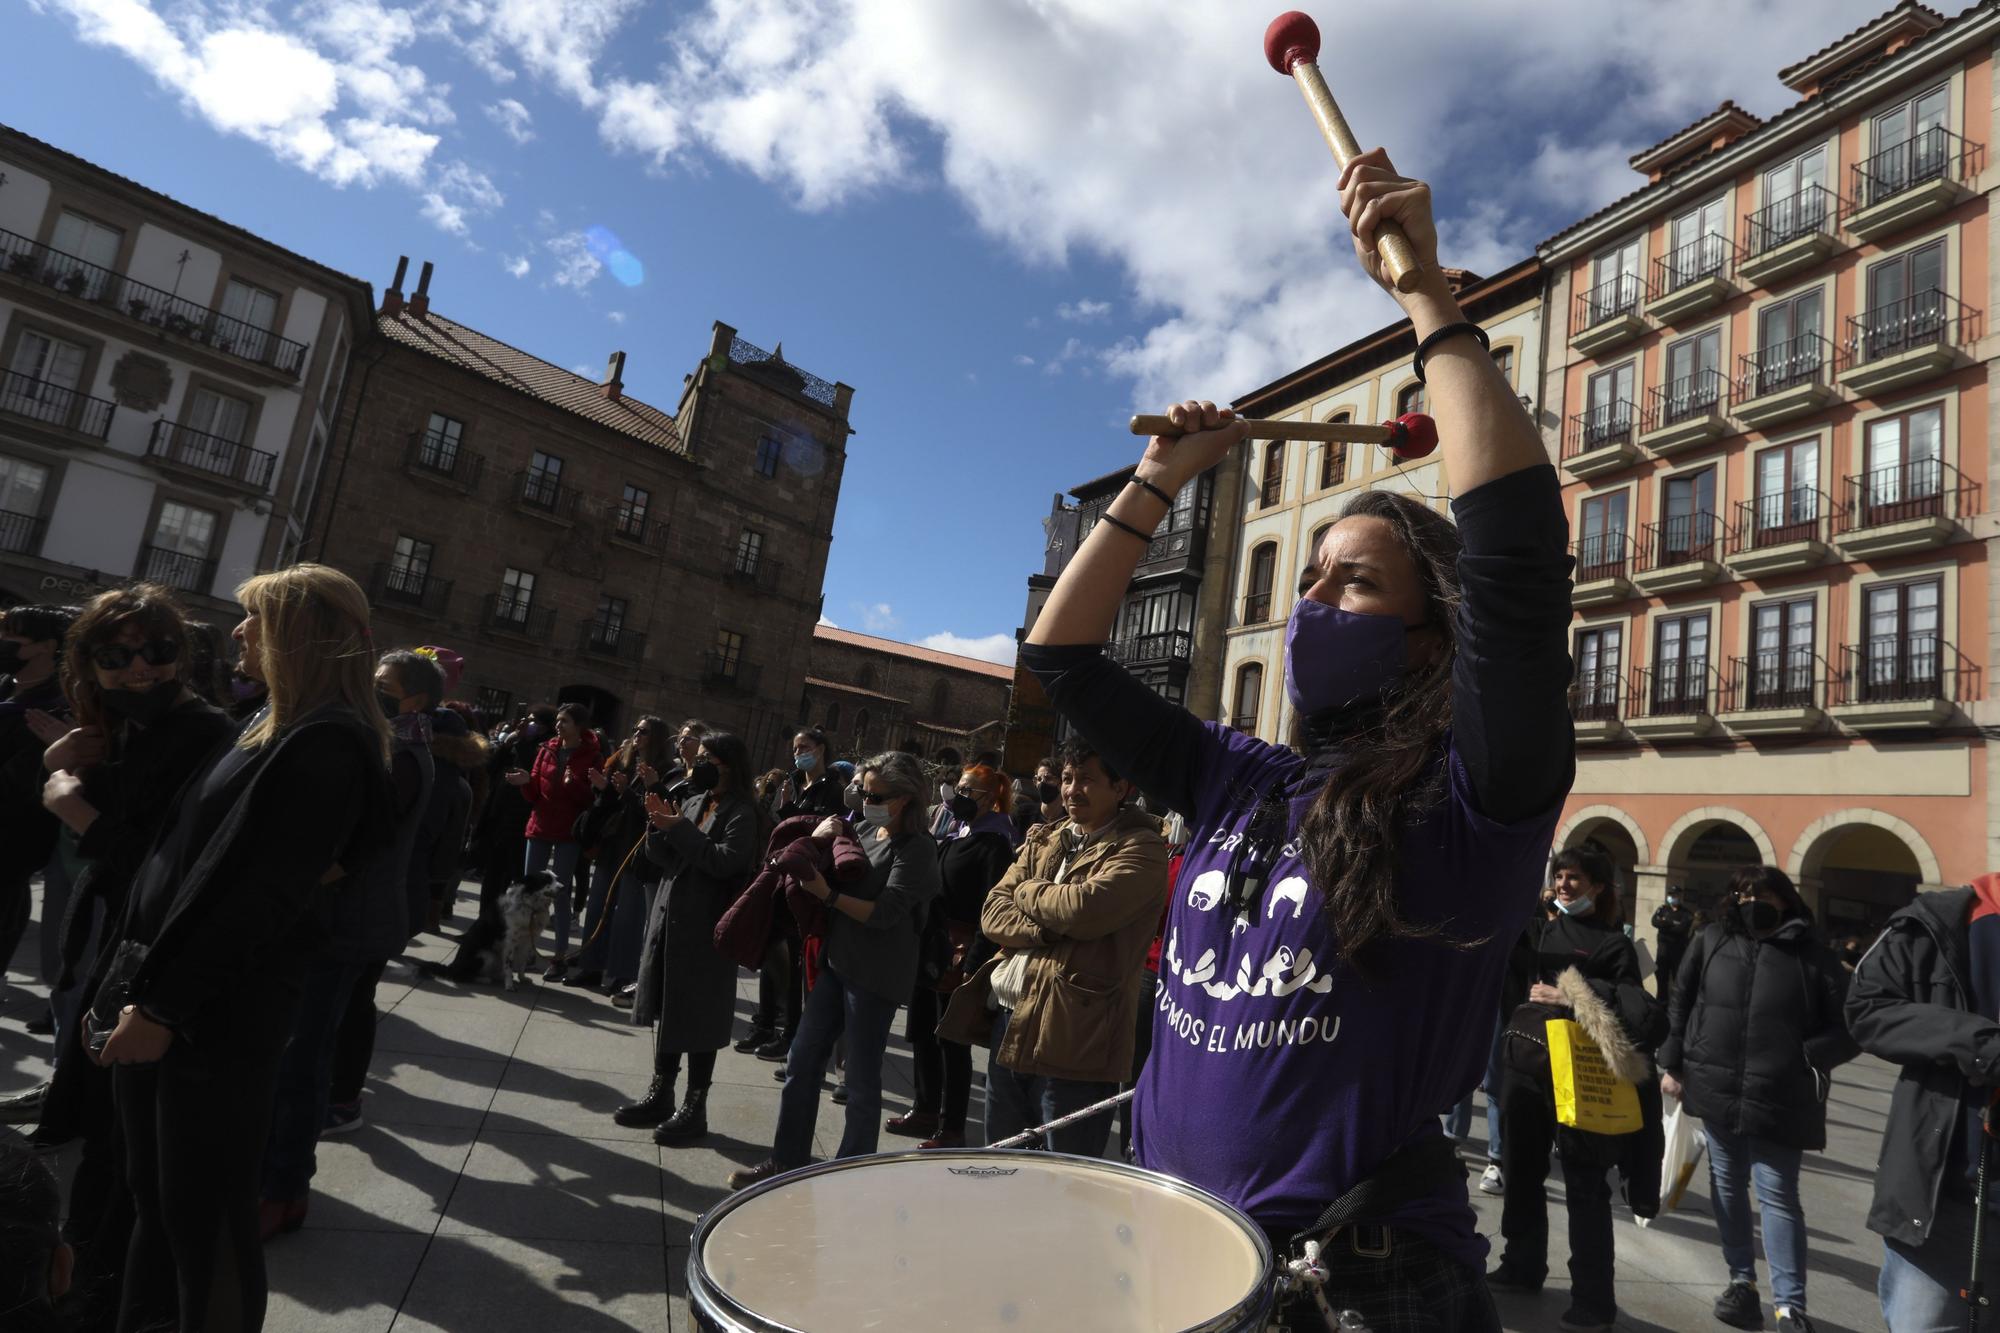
(1349, 838)
(655, 751)
(730, 749)
(149, 607)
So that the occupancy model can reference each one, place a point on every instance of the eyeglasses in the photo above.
(118, 656)
(975, 793)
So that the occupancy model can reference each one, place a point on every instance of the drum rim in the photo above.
(1255, 1302)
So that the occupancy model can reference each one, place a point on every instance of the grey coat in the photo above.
(684, 983)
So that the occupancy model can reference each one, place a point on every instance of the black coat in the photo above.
(1756, 1029)
(1910, 1003)
(685, 982)
(825, 796)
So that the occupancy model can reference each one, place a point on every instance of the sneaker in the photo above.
(1512, 1277)
(1579, 1320)
(777, 1048)
(623, 999)
(1794, 1321)
(1738, 1306)
(779, 1073)
(342, 1118)
(750, 1175)
(840, 1093)
(1491, 1181)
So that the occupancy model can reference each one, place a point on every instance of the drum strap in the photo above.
(1418, 1170)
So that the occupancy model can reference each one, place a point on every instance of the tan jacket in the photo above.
(1087, 976)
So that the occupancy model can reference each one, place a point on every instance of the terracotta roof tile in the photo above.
(820, 682)
(1728, 108)
(472, 350)
(1910, 5)
(850, 639)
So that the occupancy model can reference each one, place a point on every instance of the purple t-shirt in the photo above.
(1279, 1077)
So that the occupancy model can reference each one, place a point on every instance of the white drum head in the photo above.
(979, 1241)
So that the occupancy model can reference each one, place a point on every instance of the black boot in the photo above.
(688, 1123)
(758, 1035)
(651, 1109)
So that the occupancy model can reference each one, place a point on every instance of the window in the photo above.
(727, 655)
(45, 375)
(410, 567)
(1688, 530)
(1787, 504)
(1333, 459)
(1904, 651)
(1614, 283)
(1788, 341)
(22, 488)
(218, 415)
(1903, 468)
(833, 718)
(256, 314)
(439, 452)
(865, 678)
(1160, 612)
(1795, 200)
(178, 554)
(1411, 399)
(1680, 664)
(1598, 662)
(1906, 302)
(749, 550)
(1257, 598)
(632, 506)
(1600, 547)
(609, 622)
(1274, 474)
(940, 700)
(1249, 693)
(517, 594)
(1694, 376)
(1695, 245)
(491, 703)
(1908, 146)
(1781, 662)
(768, 450)
(1503, 361)
(79, 237)
(1607, 416)
(860, 725)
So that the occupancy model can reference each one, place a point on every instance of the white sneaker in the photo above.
(1490, 1181)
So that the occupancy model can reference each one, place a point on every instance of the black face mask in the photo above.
(703, 776)
(964, 809)
(1050, 793)
(143, 706)
(1759, 917)
(388, 703)
(10, 658)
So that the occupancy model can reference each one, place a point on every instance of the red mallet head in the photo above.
(1416, 436)
(1292, 39)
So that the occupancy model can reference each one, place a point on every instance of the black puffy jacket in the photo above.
(1756, 1028)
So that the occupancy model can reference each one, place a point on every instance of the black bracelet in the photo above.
(1161, 495)
(1440, 335)
(1123, 526)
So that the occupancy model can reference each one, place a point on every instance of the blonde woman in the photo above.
(200, 996)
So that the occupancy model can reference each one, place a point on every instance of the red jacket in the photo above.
(557, 795)
(745, 929)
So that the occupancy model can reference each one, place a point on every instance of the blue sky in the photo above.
(1005, 223)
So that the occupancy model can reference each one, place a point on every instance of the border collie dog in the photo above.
(524, 914)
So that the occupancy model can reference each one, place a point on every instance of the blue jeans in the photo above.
(1919, 1285)
(541, 851)
(1736, 1162)
(629, 910)
(833, 1009)
(1458, 1120)
(596, 930)
(1017, 1102)
(305, 1079)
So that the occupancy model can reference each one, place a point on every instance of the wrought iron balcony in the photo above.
(1775, 679)
(1925, 319)
(1602, 555)
(1691, 396)
(1806, 359)
(511, 615)
(729, 672)
(744, 353)
(632, 525)
(1814, 210)
(29, 260)
(543, 493)
(1781, 518)
(408, 585)
(1936, 154)
(1916, 488)
(189, 573)
(1595, 696)
(763, 575)
(20, 534)
(1601, 427)
(1683, 688)
(53, 405)
(1143, 649)
(1902, 668)
(1707, 256)
(1680, 540)
(212, 455)
(608, 639)
(437, 457)
(1611, 298)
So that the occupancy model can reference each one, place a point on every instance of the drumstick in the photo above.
(1410, 436)
(1291, 44)
(1028, 1136)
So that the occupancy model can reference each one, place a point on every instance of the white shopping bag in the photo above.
(1685, 1144)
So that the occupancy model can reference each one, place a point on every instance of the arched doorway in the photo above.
(1710, 859)
(1612, 838)
(1862, 874)
(602, 703)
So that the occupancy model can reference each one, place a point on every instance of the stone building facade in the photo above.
(873, 694)
(168, 385)
(575, 543)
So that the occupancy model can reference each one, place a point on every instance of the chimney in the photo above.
(392, 298)
(420, 301)
(614, 377)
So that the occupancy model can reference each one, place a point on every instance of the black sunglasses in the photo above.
(118, 656)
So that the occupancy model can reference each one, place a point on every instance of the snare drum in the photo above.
(971, 1241)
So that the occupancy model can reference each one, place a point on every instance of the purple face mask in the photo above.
(1335, 658)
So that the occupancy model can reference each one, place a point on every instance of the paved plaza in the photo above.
(490, 1192)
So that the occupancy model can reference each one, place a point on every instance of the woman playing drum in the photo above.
(1343, 917)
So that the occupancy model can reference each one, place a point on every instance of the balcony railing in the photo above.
(543, 492)
(408, 585)
(1167, 646)
(1612, 297)
(1780, 519)
(1603, 555)
(1813, 210)
(31, 261)
(443, 459)
(1903, 668)
(1703, 257)
(1913, 489)
(633, 526)
(1605, 424)
(53, 405)
(512, 615)
(1936, 154)
(1806, 359)
(1673, 689)
(608, 639)
(1257, 608)
(1680, 540)
(763, 575)
(729, 672)
(212, 454)
(1595, 696)
(1925, 319)
(1775, 678)
(1693, 395)
(20, 534)
(189, 573)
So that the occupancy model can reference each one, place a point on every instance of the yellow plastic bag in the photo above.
(1588, 1095)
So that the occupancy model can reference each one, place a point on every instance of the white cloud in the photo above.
(1082, 312)
(516, 265)
(458, 191)
(877, 617)
(1023, 359)
(616, 316)
(828, 623)
(576, 266)
(987, 648)
(638, 118)
(513, 119)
